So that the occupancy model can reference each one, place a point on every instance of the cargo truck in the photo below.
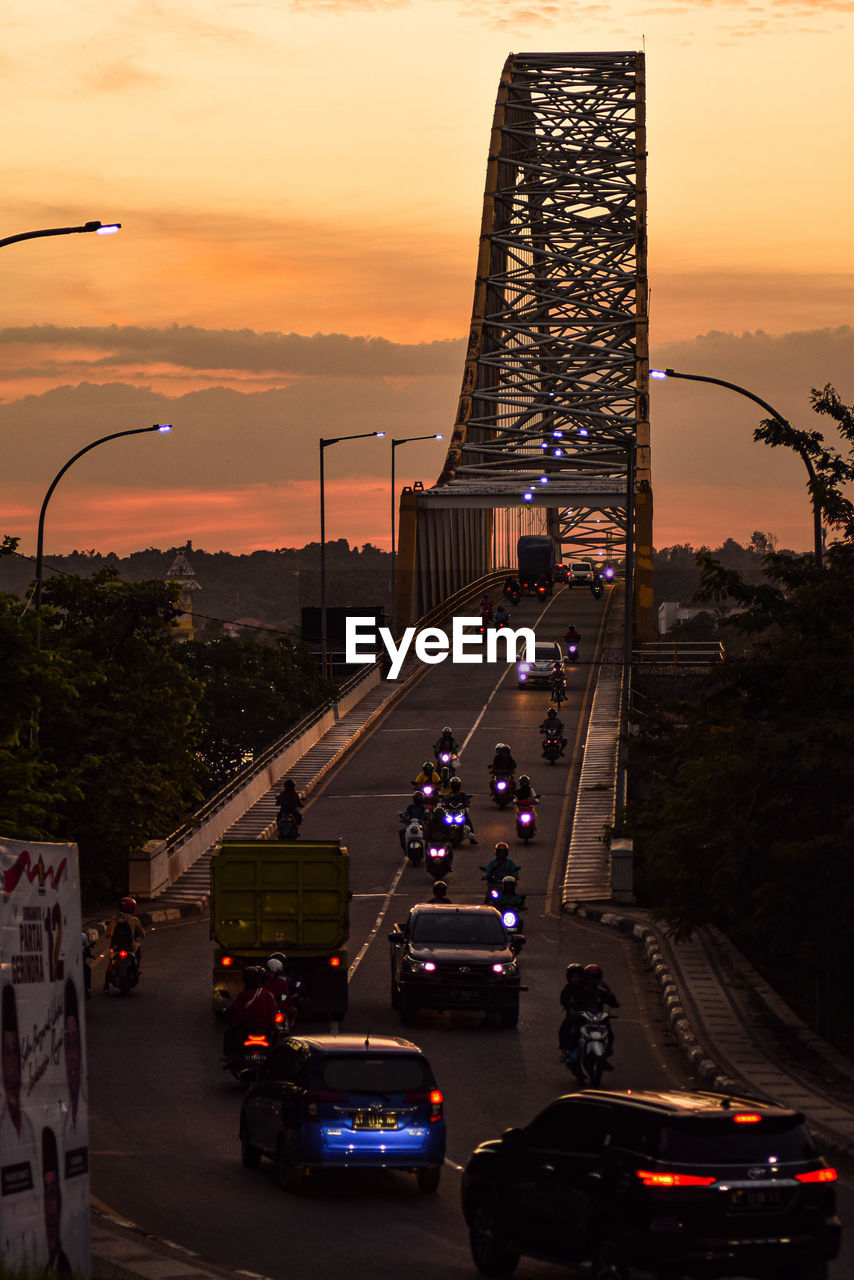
(536, 556)
(294, 897)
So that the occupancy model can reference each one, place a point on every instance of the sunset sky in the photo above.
(300, 185)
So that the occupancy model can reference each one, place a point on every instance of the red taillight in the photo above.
(255, 1042)
(280, 1017)
(434, 1096)
(817, 1175)
(315, 1099)
(123, 955)
(746, 1117)
(335, 961)
(656, 1178)
(227, 962)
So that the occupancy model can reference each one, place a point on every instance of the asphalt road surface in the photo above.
(164, 1116)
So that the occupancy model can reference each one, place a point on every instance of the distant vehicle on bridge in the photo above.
(536, 556)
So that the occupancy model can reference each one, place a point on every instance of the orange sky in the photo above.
(300, 189)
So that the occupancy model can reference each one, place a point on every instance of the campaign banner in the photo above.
(44, 1125)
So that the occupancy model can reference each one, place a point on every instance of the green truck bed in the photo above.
(289, 896)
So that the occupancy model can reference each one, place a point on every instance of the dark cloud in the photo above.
(191, 347)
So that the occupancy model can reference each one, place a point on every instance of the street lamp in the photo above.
(395, 444)
(324, 444)
(100, 229)
(134, 431)
(778, 417)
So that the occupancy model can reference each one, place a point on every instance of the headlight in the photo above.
(419, 966)
(504, 969)
(523, 668)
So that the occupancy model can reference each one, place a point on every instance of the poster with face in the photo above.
(44, 1141)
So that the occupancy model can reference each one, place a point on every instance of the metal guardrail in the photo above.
(679, 654)
(260, 762)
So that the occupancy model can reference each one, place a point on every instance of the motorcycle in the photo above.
(588, 1057)
(511, 916)
(572, 650)
(493, 882)
(439, 859)
(558, 688)
(526, 821)
(430, 795)
(413, 841)
(124, 970)
(448, 763)
(596, 588)
(287, 825)
(455, 824)
(502, 788)
(552, 745)
(247, 1054)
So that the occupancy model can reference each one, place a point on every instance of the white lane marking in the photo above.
(388, 897)
(452, 1165)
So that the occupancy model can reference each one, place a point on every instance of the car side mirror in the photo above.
(517, 943)
(514, 1138)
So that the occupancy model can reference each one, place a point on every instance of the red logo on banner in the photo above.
(23, 864)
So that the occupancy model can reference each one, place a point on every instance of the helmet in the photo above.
(253, 976)
(502, 848)
(280, 956)
(427, 766)
(417, 797)
(524, 780)
(447, 732)
(574, 971)
(593, 972)
(439, 889)
(501, 746)
(551, 714)
(274, 966)
(128, 905)
(438, 811)
(508, 884)
(456, 783)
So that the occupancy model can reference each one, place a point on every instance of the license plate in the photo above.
(375, 1120)
(463, 995)
(755, 1197)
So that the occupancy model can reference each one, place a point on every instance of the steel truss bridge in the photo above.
(552, 424)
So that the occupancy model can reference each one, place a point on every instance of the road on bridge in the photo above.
(164, 1116)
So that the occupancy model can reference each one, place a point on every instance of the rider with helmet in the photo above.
(456, 798)
(499, 866)
(440, 891)
(525, 793)
(124, 933)
(280, 986)
(597, 994)
(429, 776)
(415, 811)
(573, 998)
(446, 742)
(251, 1012)
(553, 724)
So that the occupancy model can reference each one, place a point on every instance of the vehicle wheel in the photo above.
(509, 1017)
(490, 1256)
(428, 1179)
(250, 1157)
(594, 1070)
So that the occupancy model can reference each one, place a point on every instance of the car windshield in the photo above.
(375, 1073)
(459, 927)
(763, 1143)
(545, 653)
(582, 567)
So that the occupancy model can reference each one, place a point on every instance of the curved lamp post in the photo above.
(134, 431)
(778, 417)
(395, 444)
(324, 443)
(100, 228)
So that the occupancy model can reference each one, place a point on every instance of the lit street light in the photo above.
(134, 431)
(395, 444)
(778, 417)
(324, 444)
(100, 229)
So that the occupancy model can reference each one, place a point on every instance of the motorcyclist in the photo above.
(502, 762)
(440, 892)
(435, 828)
(500, 865)
(280, 986)
(553, 724)
(124, 932)
(525, 794)
(598, 990)
(572, 636)
(415, 811)
(574, 997)
(456, 798)
(429, 776)
(502, 617)
(510, 895)
(251, 1012)
(511, 588)
(289, 806)
(446, 742)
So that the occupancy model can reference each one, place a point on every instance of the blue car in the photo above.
(347, 1101)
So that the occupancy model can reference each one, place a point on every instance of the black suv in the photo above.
(697, 1184)
(455, 957)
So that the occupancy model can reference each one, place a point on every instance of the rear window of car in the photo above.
(723, 1142)
(581, 566)
(458, 927)
(375, 1073)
